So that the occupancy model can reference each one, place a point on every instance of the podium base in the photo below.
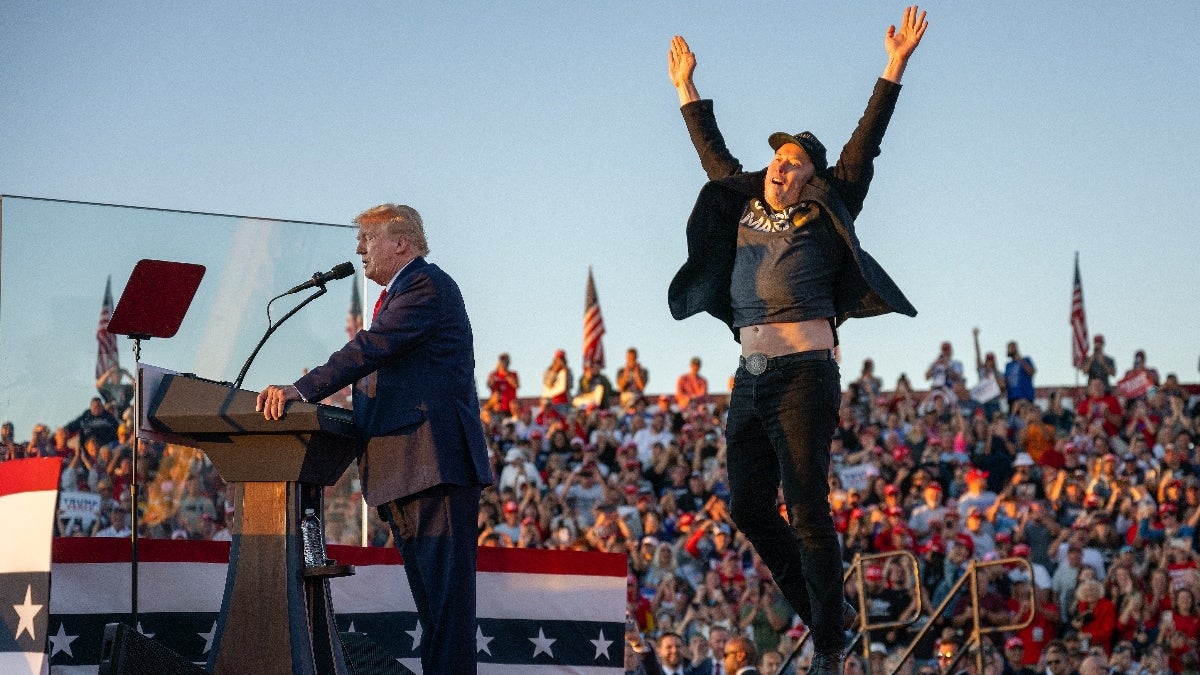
(128, 652)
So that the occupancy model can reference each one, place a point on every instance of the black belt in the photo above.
(757, 363)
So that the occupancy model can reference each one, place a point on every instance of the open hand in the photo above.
(681, 62)
(901, 43)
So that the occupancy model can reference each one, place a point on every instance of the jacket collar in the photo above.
(409, 267)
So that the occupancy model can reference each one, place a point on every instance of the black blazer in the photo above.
(862, 289)
(415, 404)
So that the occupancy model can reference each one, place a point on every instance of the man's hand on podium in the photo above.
(272, 400)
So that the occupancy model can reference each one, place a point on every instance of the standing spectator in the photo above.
(1098, 364)
(631, 379)
(116, 387)
(503, 383)
(1099, 407)
(1066, 576)
(945, 374)
(691, 386)
(95, 422)
(991, 383)
(556, 381)
(1018, 375)
(9, 447)
(40, 443)
(1139, 379)
(1094, 616)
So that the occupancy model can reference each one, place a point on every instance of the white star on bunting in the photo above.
(149, 636)
(416, 634)
(541, 644)
(602, 645)
(25, 613)
(482, 641)
(61, 642)
(208, 638)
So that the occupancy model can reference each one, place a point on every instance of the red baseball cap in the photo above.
(966, 542)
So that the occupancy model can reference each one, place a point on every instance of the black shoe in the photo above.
(825, 664)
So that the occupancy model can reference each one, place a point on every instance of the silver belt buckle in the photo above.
(756, 363)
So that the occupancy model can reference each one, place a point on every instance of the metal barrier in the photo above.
(857, 570)
(975, 640)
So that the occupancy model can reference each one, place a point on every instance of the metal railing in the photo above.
(978, 630)
(857, 572)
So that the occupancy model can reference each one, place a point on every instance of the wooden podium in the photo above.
(276, 615)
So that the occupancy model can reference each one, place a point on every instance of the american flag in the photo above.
(593, 326)
(106, 342)
(1079, 332)
(354, 320)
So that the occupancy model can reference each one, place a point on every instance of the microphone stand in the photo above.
(237, 384)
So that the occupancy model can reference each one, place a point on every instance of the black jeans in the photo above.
(778, 432)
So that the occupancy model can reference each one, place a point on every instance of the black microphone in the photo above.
(320, 279)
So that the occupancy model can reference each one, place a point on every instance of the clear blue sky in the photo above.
(539, 138)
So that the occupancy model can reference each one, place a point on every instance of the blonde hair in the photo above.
(401, 221)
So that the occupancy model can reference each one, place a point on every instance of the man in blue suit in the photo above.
(422, 456)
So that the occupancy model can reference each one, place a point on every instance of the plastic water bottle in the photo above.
(310, 533)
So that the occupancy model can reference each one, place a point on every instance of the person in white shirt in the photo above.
(118, 525)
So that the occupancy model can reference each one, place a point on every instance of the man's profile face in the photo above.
(786, 176)
(381, 252)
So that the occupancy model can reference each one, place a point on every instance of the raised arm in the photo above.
(681, 63)
(855, 167)
(900, 43)
(716, 159)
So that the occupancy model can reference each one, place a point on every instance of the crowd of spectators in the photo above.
(1095, 488)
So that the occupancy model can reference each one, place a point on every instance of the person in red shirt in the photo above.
(1042, 629)
(1095, 615)
(503, 384)
(896, 536)
(1100, 406)
(1185, 614)
(691, 386)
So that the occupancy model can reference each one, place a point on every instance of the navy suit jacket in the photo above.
(415, 404)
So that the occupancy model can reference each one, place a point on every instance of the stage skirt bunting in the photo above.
(28, 488)
(540, 612)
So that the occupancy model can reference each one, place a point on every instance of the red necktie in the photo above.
(379, 303)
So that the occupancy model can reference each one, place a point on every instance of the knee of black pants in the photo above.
(812, 521)
(755, 516)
